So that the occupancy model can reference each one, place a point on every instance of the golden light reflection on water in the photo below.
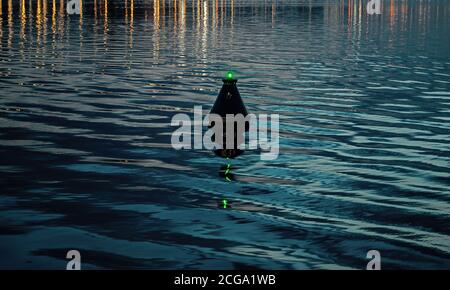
(232, 12)
(23, 20)
(60, 21)
(207, 18)
(38, 21)
(1, 24)
(131, 23)
(105, 13)
(10, 24)
(53, 17)
(204, 38)
(182, 31)
(174, 16)
(80, 28)
(156, 31)
(95, 11)
(45, 18)
(105, 24)
(81, 14)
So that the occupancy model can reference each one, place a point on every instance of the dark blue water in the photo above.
(86, 162)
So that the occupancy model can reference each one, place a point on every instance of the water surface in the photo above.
(86, 162)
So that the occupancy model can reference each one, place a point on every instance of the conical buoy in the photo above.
(229, 102)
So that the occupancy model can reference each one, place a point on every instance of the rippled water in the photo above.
(86, 162)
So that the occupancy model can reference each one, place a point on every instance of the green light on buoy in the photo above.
(225, 203)
(229, 75)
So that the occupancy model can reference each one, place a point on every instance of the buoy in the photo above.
(229, 102)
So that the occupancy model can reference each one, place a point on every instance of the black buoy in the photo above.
(229, 102)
